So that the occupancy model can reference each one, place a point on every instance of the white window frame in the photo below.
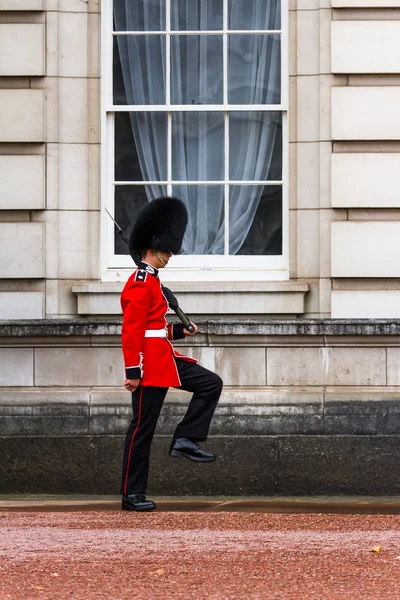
(191, 267)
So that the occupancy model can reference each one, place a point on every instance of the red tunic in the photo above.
(144, 308)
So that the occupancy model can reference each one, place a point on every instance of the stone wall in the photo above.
(309, 406)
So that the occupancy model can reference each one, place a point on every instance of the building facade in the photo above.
(277, 124)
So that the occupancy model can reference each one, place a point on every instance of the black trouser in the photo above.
(146, 404)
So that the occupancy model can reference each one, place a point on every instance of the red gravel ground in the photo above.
(202, 556)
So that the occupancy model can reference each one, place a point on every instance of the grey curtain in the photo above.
(198, 137)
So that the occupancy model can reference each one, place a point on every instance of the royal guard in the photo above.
(151, 363)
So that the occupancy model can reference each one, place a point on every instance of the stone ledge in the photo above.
(227, 326)
(21, 5)
(223, 297)
(241, 411)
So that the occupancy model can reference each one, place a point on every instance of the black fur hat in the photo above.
(159, 226)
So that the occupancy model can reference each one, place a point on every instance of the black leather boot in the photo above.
(190, 450)
(137, 502)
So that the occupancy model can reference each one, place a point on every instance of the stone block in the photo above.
(94, 110)
(357, 113)
(325, 20)
(327, 217)
(51, 114)
(73, 110)
(30, 5)
(22, 49)
(52, 44)
(292, 120)
(365, 3)
(308, 108)
(365, 47)
(94, 48)
(308, 242)
(366, 304)
(73, 172)
(57, 400)
(21, 305)
(44, 412)
(365, 249)
(363, 180)
(21, 115)
(393, 366)
(290, 419)
(49, 221)
(326, 366)
(305, 5)
(325, 174)
(236, 366)
(240, 412)
(94, 177)
(292, 43)
(338, 465)
(22, 182)
(73, 6)
(79, 367)
(73, 244)
(110, 411)
(94, 244)
(224, 299)
(244, 466)
(359, 413)
(22, 255)
(66, 299)
(16, 367)
(308, 42)
(47, 465)
(308, 176)
(73, 43)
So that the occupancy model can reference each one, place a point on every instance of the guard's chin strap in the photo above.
(160, 258)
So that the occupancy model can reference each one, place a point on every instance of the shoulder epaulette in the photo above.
(140, 275)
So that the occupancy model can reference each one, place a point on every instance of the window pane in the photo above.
(205, 230)
(128, 200)
(140, 146)
(196, 15)
(139, 69)
(255, 146)
(255, 220)
(254, 69)
(254, 14)
(196, 69)
(197, 146)
(139, 15)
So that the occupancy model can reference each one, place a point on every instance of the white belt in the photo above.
(155, 333)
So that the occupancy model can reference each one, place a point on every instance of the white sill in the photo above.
(204, 297)
(198, 275)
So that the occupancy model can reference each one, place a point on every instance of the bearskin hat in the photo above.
(159, 226)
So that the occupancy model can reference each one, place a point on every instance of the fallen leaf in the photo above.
(158, 572)
(375, 549)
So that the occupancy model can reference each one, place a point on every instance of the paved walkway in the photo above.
(220, 549)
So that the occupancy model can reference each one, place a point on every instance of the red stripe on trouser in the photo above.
(132, 440)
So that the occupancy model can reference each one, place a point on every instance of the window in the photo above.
(195, 105)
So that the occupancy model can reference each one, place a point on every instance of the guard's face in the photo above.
(166, 256)
(162, 257)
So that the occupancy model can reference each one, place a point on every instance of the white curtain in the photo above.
(198, 138)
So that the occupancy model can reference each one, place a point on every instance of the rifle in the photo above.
(172, 301)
